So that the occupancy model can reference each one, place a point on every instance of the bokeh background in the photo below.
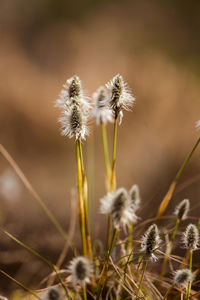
(155, 45)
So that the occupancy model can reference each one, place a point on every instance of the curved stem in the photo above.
(142, 277)
(170, 192)
(168, 291)
(36, 254)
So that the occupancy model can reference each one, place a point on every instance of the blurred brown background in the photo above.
(155, 45)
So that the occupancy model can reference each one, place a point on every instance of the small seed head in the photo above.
(191, 237)
(182, 209)
(120, 96)
(183, 277)
(150, 241)
(135, 197)
(81, 270)
(54, 293)
(102, 111)
(119, 205)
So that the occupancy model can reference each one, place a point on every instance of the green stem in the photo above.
(21, 285)
(142, 277)
(112, 185)
(84, 293)
(168, 291)
(81, 204)
(184, 164)
(106, 156)
(85, 201)
(102, 279)
(190, 283)
(109, 230)
(171, 189)
(169, 247)
(113, 174)
(130, 238)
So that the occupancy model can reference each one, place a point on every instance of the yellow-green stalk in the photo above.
(171, 189)
(80, 201)
(141, 279)
(85, 202)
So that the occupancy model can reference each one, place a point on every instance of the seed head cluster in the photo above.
(191, 237)
(119, 205)
(81, 270)
(150, 241)
(183, 277)
(182, 209)
(75, 109)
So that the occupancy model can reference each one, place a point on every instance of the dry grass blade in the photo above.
(35, 195)
(21, 285)
(165, 201)
(170, 192)
(70, 234)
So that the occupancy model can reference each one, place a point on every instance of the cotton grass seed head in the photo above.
(81, 270)
(150, 241)
(191, 237)
(102, 111)
(119, 205)
(72, 93)
(54, 293)
(75, 109)
(183, 277)
(135, 197)
(119, 96)
(74, 123)
(182, 209)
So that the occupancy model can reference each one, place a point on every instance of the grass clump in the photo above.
(125, 268)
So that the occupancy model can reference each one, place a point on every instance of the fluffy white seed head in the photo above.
(72, 93)
(182, 209)
(102, 111)
(150, 241)
(197, 125)
(135, 197)
(119, 205)
(75, 109)
(183, 277)
(53, 293)
(74, 123)
(120, 96)
(191, 237)
(81, 270)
